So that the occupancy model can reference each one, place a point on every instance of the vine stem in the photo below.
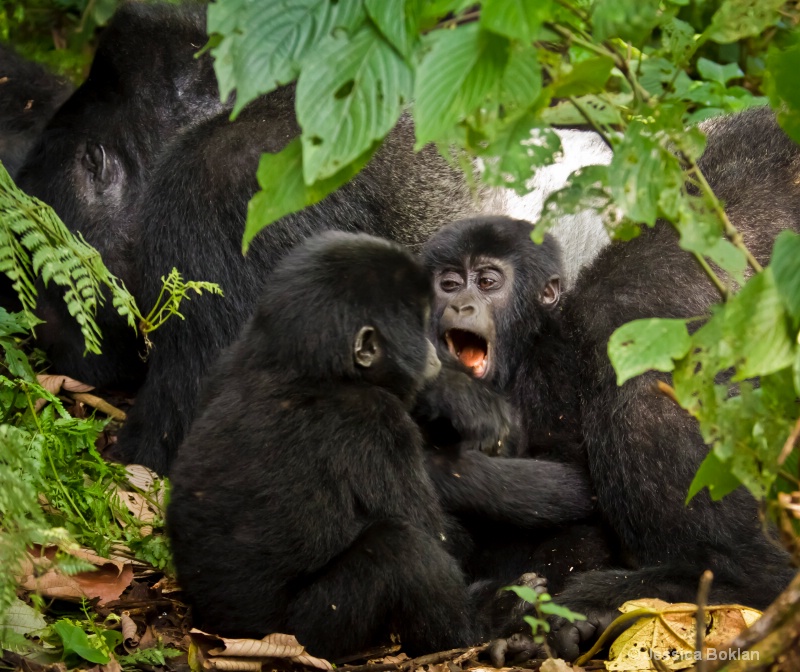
(582, 111)
(730, 230)
(723, 290)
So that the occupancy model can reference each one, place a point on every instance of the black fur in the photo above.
(179, 177)
(193, 218)
(96, 154)
(300, 501)
(29, 96)
(642, 449)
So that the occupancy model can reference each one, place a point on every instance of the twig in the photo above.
(429, 659)
(99, 404)
(700, 619)
(590, 121)
(723, 290)
(730, 230)
(789, 445)
(668, 391)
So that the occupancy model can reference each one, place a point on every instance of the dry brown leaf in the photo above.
(556, 665)
(669, 634)
(106, 583)
(55, 383)
(233, 664)
(130, 633)
(145, 507)
(275, 645)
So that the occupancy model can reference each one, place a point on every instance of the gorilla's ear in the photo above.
(101, 168)
(551, 292)
(366, 350)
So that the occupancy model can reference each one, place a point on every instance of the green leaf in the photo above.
(645, 345)
(785, 265)
(714, 72)
(553, 609)
(630, 21)
(736, 19)
(349, 96)
(398, 21)
(644, 178)
(583, 77)
(22, 619)
(518, 151)
(459, 70)
(756, 327)
(76, 641)
(17, 363)
(516, 19)
(283, 190)
(679, 39)
(522, 79)
(264, 43)
(524, 593)
(781, 86)
(714, 475)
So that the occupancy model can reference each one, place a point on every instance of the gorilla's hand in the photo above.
(455, 409)
(568, 640)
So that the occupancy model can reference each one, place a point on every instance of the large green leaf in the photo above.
(455, 75)
(646, 345)
(578, 79)
(517, 19)
(283, 190)
(786, 269)
(398, 20)
(781, 83)
(756, 328)
(263, 43)
(714, 475)
(736, 19)
(628, 20)
(349, 96)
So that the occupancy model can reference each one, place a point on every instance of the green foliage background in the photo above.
(478, 79)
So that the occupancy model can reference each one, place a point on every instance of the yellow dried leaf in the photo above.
(668, 634)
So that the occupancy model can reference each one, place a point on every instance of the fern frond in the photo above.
(35, 242)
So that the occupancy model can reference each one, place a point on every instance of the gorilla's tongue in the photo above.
(471, 350)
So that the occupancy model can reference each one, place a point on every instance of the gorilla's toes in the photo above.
(513, 650)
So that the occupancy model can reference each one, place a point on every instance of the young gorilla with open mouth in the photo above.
(300, 498)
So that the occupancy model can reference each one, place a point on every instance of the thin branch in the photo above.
(724, 292)
(700, 618)
(730, 230)
(790, 442)
(582, 111)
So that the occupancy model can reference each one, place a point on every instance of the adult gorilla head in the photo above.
(94, 156)
(494, 290)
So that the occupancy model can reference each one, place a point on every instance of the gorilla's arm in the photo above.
(455, 409)
(520, 491)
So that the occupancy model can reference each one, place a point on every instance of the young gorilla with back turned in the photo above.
(300, 499)
(497, 306)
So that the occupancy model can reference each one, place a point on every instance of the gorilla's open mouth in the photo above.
(472, 350)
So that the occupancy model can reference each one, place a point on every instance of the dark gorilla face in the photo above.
(492, 288)
(466, 301)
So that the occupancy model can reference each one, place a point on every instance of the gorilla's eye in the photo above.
(449, 282)
(489, 281)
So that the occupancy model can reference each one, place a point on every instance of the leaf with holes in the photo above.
(645, 345)
(264, 43)
(349, 96)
